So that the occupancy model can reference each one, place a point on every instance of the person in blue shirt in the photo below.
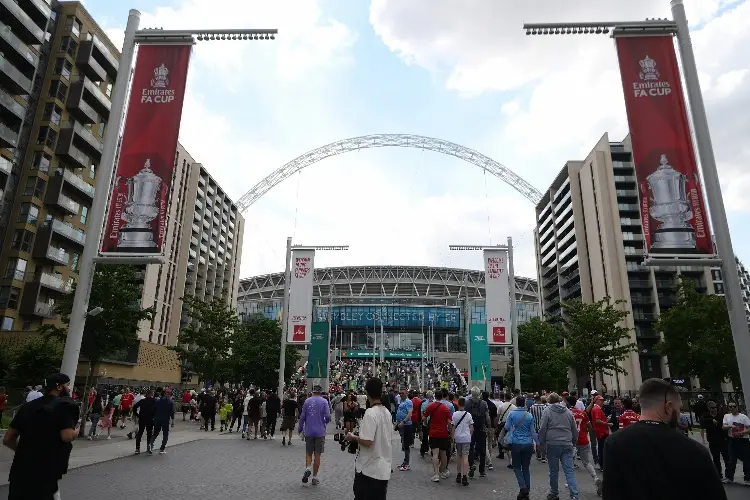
(447, 402)
(521, 430)
(405, 427)
(163, 413)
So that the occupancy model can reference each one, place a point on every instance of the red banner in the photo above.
(673, 212)
(136, 221)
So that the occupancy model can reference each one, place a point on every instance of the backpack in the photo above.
(478, 409)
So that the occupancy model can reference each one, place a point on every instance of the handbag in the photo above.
(508, 438)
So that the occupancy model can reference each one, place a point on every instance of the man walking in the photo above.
(405, 427)
(315, 415)
(480, 415)
(273, 408)
(583, 444)
(738, 427)
(145, 411)
(163, 413)
(537, 411)
(208, 410)
(439, 416)
(558, 434)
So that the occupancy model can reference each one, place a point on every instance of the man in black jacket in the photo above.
(273, 408)
(145, 411)
(163, 413)
(711, 424)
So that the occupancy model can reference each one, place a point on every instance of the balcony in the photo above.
(52, 282)
(86, 89)
(639, 283)
(44, 250)
(12, 78)
(38, 9)
(68, 232)
(83, 138)
(21, 23)
(36, 308)
(56, 199)
(15, 50)
(89, 66)
(81, 110)
(80, 185)
(8, 137)
(72, 154)
(102, 54)
(6, 166)
(11, 110)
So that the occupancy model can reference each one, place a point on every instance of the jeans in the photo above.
(163, 427)
(270, 425)
(557, 453)
(478, 449)
(600, 444)
(739, 449)
(235, 418)
(94, 422)
(245, 419)
(407, 438)
(148, 426)
(584, 452)
(719, 450)
(594, 446)
(424, 448)
(209, 418)
(521, 454)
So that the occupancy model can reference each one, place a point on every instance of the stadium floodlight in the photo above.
(649, 26)
(513, 312)
(327, 248)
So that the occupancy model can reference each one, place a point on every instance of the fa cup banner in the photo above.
(299, 322)
(497, 297)
(137, 217)
(673, 213)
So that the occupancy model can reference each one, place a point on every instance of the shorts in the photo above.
(440, 443)
(462, 449)
(314, 445)
(125, 412)
(287, 424)
(185, 408)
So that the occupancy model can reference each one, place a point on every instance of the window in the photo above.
(84, 214)
(15, 268)
(47, 137)
(74, 257)
(58, 90)
(22, 240)
(34, 187)
(29, 213)
(100, 128)
(6, 324)
(109, 89)
(73, 25)
(52, 113)
(9, 297)
(719, 287)
(92, 172)
(716, 274)
(63, 67)
(68, 45)
(41, 161)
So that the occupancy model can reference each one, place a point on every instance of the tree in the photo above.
(207, 339)
(541, 356)
(698, 337)
(595, 341)
(32, 361)
(255, 355)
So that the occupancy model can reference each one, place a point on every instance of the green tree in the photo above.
(541, 356)
(255, 355)
(34, 360)
(207, 339)
(698, 337)
(595, 341)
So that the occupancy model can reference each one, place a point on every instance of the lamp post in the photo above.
(678, 26)
(98, 210)
(513, 312)
(285, 306)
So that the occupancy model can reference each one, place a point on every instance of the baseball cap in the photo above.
(55, 379)
(594, 392)
(317, 388)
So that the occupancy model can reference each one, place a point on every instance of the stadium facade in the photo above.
(406, 301)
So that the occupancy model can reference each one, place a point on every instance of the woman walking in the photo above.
(106, 421)
(521, 434)
(95, 413)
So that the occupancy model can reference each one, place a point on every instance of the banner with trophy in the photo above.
(497, 296)
(137, 217)
(673, 212)
(299, 321)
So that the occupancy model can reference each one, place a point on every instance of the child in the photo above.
(463, 428)
(106, 421)
(224, 413)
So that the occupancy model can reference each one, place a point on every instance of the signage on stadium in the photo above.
(387, 354)
(391, 316)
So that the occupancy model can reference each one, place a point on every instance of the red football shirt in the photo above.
(440, 416)
(600, 430)
(627, 418)
(416, 403)
(127, 401)
(582, 421)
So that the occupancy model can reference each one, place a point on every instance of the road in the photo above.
(232, 468)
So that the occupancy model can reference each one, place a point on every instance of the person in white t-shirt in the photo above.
(463, 428)
(737, 426)
(375, 453)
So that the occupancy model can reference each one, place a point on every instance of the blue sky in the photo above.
(460, 71)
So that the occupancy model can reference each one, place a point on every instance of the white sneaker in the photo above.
(271, 437)
(109, 438)
(435, 479)
(445, 475)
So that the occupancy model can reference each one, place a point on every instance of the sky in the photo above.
(461, 71)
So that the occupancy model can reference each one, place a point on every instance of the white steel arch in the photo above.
(390, 140)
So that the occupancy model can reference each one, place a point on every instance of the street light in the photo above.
(678, 26)
(513, 312)
(90, 255)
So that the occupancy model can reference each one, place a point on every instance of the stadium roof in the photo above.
(386, 281)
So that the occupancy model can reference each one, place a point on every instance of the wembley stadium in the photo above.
(404, 302)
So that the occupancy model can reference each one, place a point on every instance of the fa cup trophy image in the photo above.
(140, 209)
(669, 205)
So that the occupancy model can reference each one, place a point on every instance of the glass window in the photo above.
(6, 324)
(52, 113)
(29, 213)
(74, 257)
(84, 214)
(58, 90)
(73, 25)
(22, 240)
(100, 128)
(108, 91)
(15, 268)
(63, 67)
(719, 287)
(41, 161)
(34, 187)
(92, 172)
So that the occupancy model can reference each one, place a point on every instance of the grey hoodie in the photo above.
(558, 426)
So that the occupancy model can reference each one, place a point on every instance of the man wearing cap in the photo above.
(315, 415)
(47, 426)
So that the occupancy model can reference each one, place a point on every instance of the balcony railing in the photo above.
(105, 57)
(8, 102)
(53, 282)
(78, 183)
(72, 153)
(23, 50)
(12, 78)
(8, 137)
(58, 255)
(6, 166)
(24, 26)
(68, 231)
(44, 310)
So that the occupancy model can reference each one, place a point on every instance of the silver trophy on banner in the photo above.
(140, 209)
(669, 205)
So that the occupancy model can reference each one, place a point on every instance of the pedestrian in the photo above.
(439, 416)
(492, 408)
(521, 434)
(273, 409)
(208, 410)
(186, 398)
(95, 414)
(463, 428)
(537, 410)
(126, 405)
(163, 413)
(405, 427)
(737, 426)
(601, 427)
(289, 415)
(648, 460)
(315, 415)
(254, 409)
(145, 411)
(712, 429)
(424, 447)
(41, 436)
(480, 415)
(583, 444)
(558, 435)
(372, 467)
(237, 410)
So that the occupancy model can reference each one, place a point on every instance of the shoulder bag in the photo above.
(508, 438)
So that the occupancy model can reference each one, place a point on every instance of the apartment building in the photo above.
(590, 245)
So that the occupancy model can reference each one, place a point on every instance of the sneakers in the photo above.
(482, 474)
(445, 475)
(150, 451)
(458, 478)
(315, 481)
(404, 467)
(465, 481)
(510, 466)
(283, 441)
(243, 435)
(271, 437)
(130, 435)
(471, 471)
(544, 460)
(489, 467)
(137, 452)
(306, 476)
(435, 479)
(162, 452)
(552, 496)
(598, 484)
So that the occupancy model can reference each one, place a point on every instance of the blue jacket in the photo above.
(163, 409)
(525, 431)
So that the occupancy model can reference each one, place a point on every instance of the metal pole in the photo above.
(513, 315)
(382, 342)
(467, 334)
(284, 312)
(733, 293)
(327, 382)
(99, 206)
(424, 360)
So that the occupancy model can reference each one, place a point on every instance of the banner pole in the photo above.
(327, 382)
(733, 292)
(467, 334)
(513, 315)
(98, 211)
(284, 313)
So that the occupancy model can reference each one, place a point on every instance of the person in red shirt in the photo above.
(628, 417)
(186, 397)
(583, 445)
(416, 404)
(601, 427)
(439, 416)
(3, 399)
(126, 403)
